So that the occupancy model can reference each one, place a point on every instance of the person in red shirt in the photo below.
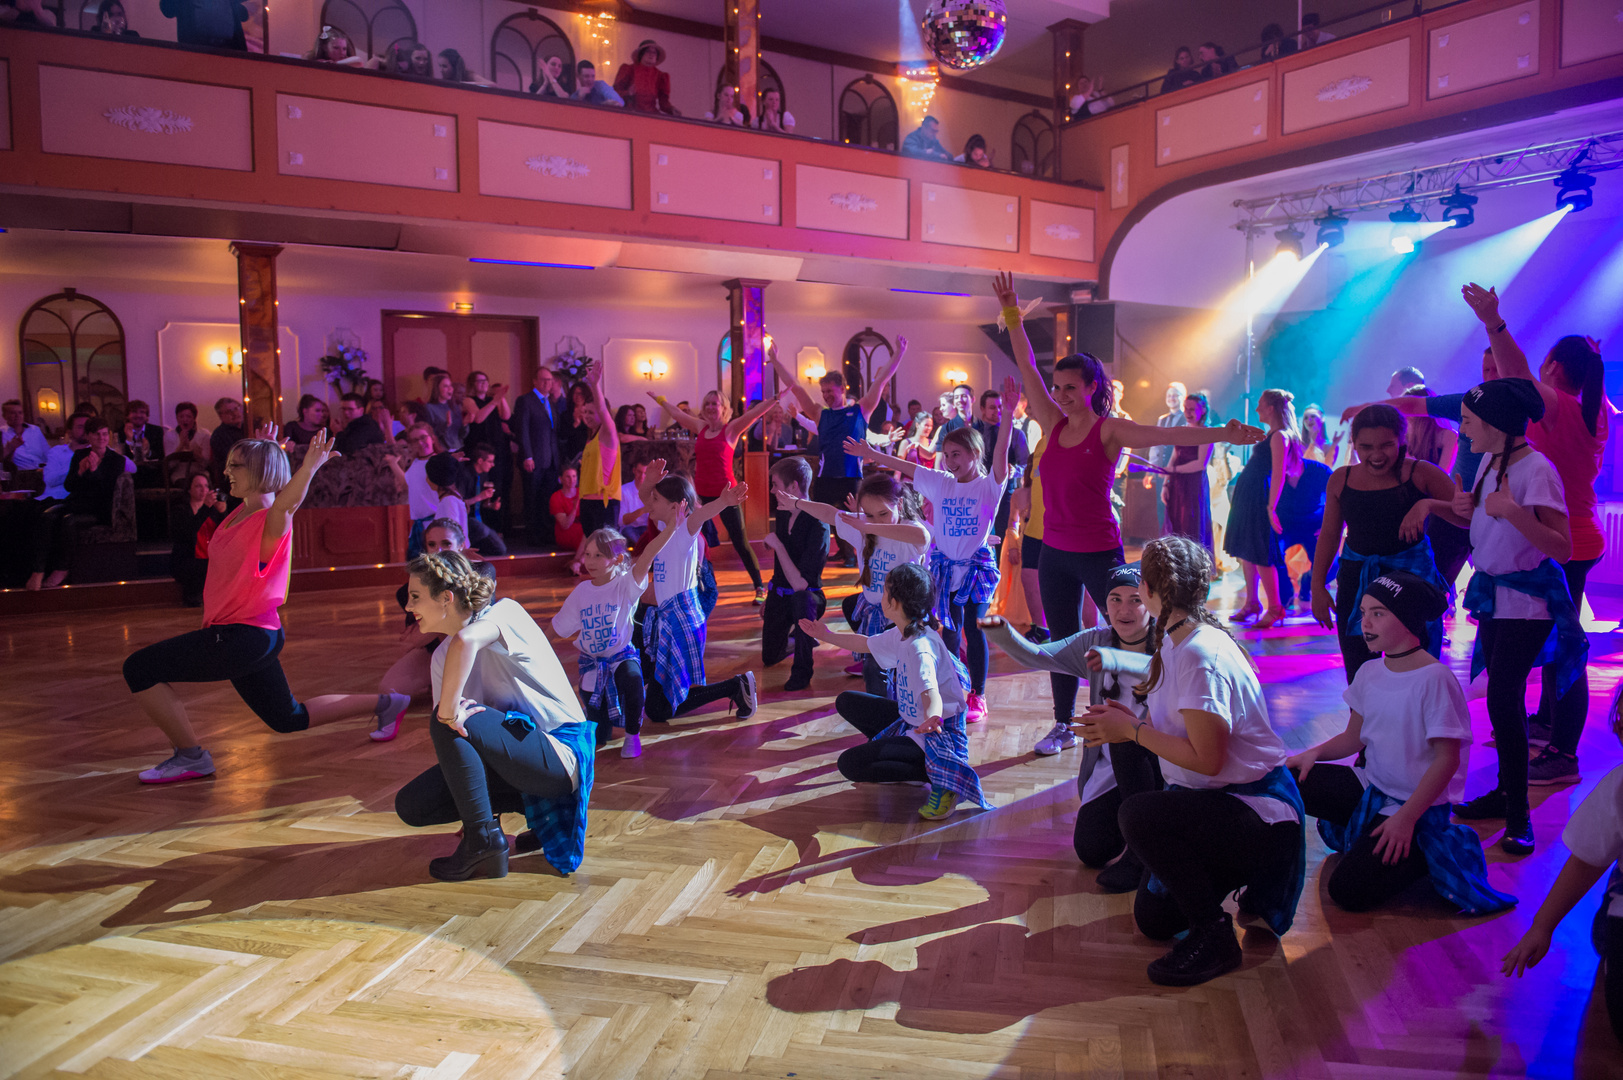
(565, 509)
(1572, 434)
(642, 84)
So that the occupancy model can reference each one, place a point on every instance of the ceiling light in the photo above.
(1404, 233)
(1457, 208)
(1572, 190)
(1332, 229)
(1290, 242)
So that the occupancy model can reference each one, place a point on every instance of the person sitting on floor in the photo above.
(1389, 814)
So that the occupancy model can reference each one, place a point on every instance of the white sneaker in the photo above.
(178, 768)
(632, 747)
(1060, 737)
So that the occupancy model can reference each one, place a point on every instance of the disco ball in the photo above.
(964, 34)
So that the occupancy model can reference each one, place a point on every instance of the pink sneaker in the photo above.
(977, 708)
(854, 670)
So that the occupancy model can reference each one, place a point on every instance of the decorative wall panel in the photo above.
(132, 118)
(342, 140)
(1358, 84)
(850, 202)
(704, 184)
(1061, 232)
(1118, 181)
(521, 162)
(1207, 125)
(1590, 29)
(964, 218)
(1492, 48)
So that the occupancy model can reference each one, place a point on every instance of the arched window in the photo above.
(1033, 149)
(372, 26)
(766, 80)
(868, 115)
(521, 44)
(72, 350)
(866, 354)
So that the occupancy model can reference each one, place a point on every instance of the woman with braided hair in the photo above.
(1230, 817)
(509, 733)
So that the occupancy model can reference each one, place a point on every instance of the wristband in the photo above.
(660, 398)
(1011, 317)
(1498, 329)
(1136, 726)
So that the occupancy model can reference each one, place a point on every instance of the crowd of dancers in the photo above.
(1187, 793)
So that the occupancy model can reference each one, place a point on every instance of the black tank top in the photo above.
(1373, 517)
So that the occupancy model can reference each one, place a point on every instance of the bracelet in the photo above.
(1498, 329)
(443, 720)
(1136, 726)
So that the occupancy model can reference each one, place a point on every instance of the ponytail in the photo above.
(1179, 571)
(909, 508)
(1103, 401)
(910, 587)
(1581, 368)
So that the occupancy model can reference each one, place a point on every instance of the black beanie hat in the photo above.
(1122, 577)
(1414, 600)
(441, 470)
(1507, 404)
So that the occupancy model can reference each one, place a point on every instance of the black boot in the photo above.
(482, 853)
(1123, 875)
(1205, 953)
(1490, 804)
(1518, 838)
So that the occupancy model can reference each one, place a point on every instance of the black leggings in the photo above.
(658, 706)
(1450, 547)
(56, 534)
(781, 633)
(485, 540)
(968, 617)
(1608, 938)
(246, 655)
(734, 521)
(483, 775)
(1062, 576)
(893, 760)
(628, 681)
(1202, 845)
(873, 676)
(1361, 881)
(1098, 836)
(1511, 647)
(1565, 712)
(832, 491)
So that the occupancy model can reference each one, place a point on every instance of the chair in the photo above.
(107, 552)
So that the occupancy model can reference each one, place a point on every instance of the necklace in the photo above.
(1407, 652)
(1169, 631)
(1138, 641)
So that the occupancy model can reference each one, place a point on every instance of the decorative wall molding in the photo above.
(853, 202)
(1342, 89)
(565, 168)
(1063, 232)
(148, 119)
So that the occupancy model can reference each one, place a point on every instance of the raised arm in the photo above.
(808, 404)
(653, 474)
(608, 437)
(741, 424)
(731, 497)
(821, 511)
(1038, 400)
(850, 642)
(1408, 406)
(639, 569)
(1119, 434)
(1005, 432)
(905, 532)
(860, 448)
(680, 415)
(279, 521)
(870, 400)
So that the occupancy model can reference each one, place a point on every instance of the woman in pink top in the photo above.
(250, 555)
(1572, 435)
(1081, 538)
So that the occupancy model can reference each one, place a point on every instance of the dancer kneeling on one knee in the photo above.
(1113, 659)
(508, 732)
(1231, 816)
(1389, 816)
(601, 611)
(920, 736)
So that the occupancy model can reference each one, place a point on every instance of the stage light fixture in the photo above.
(1290, 242)
(1332, 229)
(1404, 232)
(1458, 209)
(1573, 190)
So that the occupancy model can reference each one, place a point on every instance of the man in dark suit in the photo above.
(141, 441)
(990, 420)
(359, 430)
(536, 416)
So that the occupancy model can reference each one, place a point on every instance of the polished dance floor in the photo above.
(742, 912)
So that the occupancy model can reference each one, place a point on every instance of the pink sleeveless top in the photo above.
(712, 464)
(1076, 493)
(236, 590)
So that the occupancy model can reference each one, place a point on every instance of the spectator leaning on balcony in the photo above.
(726, 110)
(453, 69)
(975, 153)
(1214, 61)
(1311, 35)
(1182, 73)
(111, 20)
(773, 117)
(422, 61)
(645, 87)
(1274, 42)
(333, 47)
(26, 13)
(926, 141)
(1090, 99)
(592, 90)
(547, 76)
(214, 23)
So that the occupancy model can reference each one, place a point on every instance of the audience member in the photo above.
(642, 84)
(726, 110)
(592, 90)
(27, 13)
(1311, 35)
(1214, 61)
(536, 419)
(358, 429)
(1403, 380)
(926, 141)
(333, 47)
(374, 387)
(975, 152)
(564, 505)
(443, 414)
(193, 525)
(547, 75)
(422, 500)
(990, 420)
(1090, 97)
(140, 441)
(452, 68)
(22, 446)
(640, 425)
(633, 514)
(1274, 42)
(773, 116)
(111, 20)
(92, 477)
(1182, 73)
(312, 418)
(215, 24)
(384, 419)
(185, 445)
(574, 432)
(230, 430)
(60, 458)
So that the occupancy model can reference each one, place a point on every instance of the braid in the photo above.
(869, 542)
(1511, 446)
(1179, 572)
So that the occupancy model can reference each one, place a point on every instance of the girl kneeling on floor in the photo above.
(1388, 816)
(920, 736)
(1230, 817)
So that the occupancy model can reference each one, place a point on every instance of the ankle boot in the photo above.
(482, 853)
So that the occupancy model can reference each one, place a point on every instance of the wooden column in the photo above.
(741, 47)
(752, 380)
(1067, 36)
(261, 355)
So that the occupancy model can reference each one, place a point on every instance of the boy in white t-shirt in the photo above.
(1390, 816)
(920, 735)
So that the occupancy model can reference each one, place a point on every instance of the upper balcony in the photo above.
(146, 136)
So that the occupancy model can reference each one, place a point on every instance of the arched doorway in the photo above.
(868, 115)
(1032, 149)
(72, 350)
(372, 26)
(521, 44)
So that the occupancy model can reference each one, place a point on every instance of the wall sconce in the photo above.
(462, 307)
(49, 404)
(652, 368)
(814, 372)
(956, 376)
(226, 361)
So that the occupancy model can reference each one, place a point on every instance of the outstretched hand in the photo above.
(813, 628)
(736, 494)
(901, 345)
(1012, 389)
(1240, 434)
(858, 448)
(989, 622)
(1485, 302)
(319, 450)
(1003, 287)
(655, 471)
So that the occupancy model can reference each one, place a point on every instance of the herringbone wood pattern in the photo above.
(742, 912)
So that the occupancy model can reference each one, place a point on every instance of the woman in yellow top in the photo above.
(599, 466)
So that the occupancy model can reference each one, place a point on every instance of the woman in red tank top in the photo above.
(715, 437)
(1081, 538)
(1572, 434)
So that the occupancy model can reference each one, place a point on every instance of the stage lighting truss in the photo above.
(1405, 231)
(1458, 208)
(1290, 242)
(1332, 229)
(1428, 184)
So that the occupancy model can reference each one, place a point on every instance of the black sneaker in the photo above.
(796, 684)
(1490, 804)
(1538, 732)
(746, 698)
(1123, 875)
(1205, 953)
(1518, 838)
(1551, 766)
(1037, 635)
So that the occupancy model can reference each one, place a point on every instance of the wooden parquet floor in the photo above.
(741, 912)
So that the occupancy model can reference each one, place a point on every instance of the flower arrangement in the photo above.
(346, 364)
(569, 359)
